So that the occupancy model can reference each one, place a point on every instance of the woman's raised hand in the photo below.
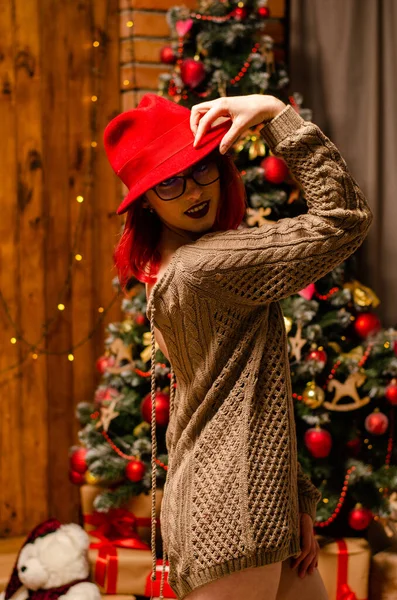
(244, 111)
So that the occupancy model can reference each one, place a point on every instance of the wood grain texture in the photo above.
(49, 71)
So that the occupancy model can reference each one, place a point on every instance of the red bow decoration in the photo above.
(116, 528)
(344, 591)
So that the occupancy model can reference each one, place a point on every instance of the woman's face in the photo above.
(173, 212)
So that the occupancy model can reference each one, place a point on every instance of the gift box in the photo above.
(344, 565)
(139, 509)
(127, 571)
(383, 576)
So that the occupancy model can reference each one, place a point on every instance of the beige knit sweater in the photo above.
(234, 487)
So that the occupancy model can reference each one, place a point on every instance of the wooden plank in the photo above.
(11, 484)
(155, 4)
(146, 75)
(106, 185)
(32, 229)
(83, 59)
(55, 32)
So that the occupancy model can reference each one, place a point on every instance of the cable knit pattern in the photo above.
(234, 487)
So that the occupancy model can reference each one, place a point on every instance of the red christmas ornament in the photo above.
(76, 478)
(353, 446)
(104, 362)
(240, 13)
(275, 168)
(318, 441)
(360, 517)
(376, 423)
(168, 55)
(162, 407)
(319, 356)
(192, 72)
(391, 392)
(78, 460)
(135, 470)
(366, 324)
(140, 319)
(263, 12)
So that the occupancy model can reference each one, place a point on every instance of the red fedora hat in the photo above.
(152, 142)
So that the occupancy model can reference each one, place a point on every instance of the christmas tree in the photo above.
(343, 364)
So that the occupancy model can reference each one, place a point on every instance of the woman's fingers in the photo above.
(206, 119)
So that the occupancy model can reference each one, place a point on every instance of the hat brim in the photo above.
(184, 158)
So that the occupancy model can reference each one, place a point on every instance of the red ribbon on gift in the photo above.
(343, 590)
(152, 588)
(116, 528)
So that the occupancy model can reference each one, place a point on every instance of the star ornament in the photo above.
(297, 343)
(107, 415)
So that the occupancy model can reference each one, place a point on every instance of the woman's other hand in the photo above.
(308, 559)
(244, 111)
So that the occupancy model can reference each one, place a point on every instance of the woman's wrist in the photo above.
(275, 110)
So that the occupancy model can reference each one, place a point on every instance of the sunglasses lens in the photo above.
(170, 188)
(203, 174)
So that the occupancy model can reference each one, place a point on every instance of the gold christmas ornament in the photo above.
(362, 296)
(313, 395)
(126, 325)
(92, 479)
(142, 428)
(288, 324)
(147, 351)
(347, 389)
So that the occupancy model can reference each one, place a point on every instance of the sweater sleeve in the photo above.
(267, 263)
(309, 496)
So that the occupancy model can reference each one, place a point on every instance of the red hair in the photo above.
(138, 243)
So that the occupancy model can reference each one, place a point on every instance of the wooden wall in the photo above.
(49, 71)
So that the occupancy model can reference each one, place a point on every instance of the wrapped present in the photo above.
(125, 571)
(383, 576)
(344, 565)
(140, 508)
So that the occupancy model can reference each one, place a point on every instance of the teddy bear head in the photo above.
(53, 555)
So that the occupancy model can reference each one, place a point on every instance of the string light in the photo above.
(95, 44)
(94, 98)
(94, 144)
(78, 257)
(70, 357)
(13, 340)
(61, 307)
(130, 23)
(80, 199)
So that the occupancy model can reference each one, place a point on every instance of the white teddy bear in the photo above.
(52, 564)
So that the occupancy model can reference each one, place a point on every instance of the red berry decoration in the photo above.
(318, 441)
(192, 72)
(391, 392)
(376, 423)
(360, 517)
(140, 319)
(168, 55)
(366, 324)
(263, 12)
(162, 404)
(135, 470)
(240, 13)
(319, 356)
(76, 478)
(275, 168)
(78, 461)
(104, 362)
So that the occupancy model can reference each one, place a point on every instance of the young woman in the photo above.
(237, 511)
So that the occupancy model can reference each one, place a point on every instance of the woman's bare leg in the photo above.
(293, 587)
(253, 583)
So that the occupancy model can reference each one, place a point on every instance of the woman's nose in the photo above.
(193, 189)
